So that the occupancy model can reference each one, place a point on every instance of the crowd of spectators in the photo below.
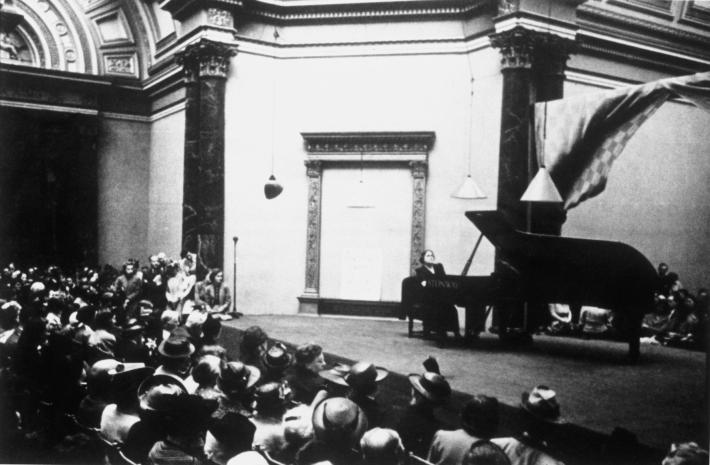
(678, 318)
(133, 359)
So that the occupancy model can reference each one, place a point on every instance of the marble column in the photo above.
(515, 163)
(206, 65)
(533, 69)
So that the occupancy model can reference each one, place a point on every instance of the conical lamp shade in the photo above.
(542, 189)
(468, 190)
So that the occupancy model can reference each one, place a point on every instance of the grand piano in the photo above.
(537, 270)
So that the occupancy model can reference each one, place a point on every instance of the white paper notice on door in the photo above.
(361, 273)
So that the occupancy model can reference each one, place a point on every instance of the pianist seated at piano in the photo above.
(441, 316)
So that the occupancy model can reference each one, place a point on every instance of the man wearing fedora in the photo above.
(361, 379)
(417, 423)
(175, 353)
(479, 420)
(540, 413)
(338, 426)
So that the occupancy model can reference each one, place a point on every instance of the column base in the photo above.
(308, 304)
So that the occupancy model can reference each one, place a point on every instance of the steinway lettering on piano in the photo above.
(441, 284)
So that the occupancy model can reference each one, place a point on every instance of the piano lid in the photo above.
(566, 268)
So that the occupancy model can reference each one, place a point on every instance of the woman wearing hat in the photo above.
(237, 382)
(118, 418)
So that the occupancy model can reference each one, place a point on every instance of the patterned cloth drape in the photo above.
(581, 136)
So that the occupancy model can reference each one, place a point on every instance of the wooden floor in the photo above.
(662, 399)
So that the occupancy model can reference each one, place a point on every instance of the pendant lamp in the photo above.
(273, 188)
(468, 188)
(542, 188)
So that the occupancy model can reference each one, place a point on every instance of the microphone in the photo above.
(235, 239)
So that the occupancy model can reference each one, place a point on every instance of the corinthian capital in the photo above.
(206, 58)
(516, 46)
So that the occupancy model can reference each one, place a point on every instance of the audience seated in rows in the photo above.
(144, 370)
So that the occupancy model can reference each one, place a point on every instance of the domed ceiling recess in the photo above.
(101, 37)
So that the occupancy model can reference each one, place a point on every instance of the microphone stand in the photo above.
(234, 280)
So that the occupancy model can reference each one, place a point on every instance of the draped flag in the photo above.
(580, 137)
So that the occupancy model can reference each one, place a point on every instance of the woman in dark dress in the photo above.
(442, 316)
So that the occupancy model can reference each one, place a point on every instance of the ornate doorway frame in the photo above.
(323, 150)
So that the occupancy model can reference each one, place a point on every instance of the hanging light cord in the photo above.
(273, 108)
(541, 155)
(469, 134)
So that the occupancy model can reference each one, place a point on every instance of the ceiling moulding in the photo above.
(660, 8)
(659, 33)
(660, 60)
(333, 11)
(696, 14)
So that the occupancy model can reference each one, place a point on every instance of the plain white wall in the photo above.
(123, 177)
(348, 94)
(166, 184)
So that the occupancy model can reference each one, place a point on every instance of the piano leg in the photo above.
(634, 339)
(631, 327)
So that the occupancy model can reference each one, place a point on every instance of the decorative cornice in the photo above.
(640, 54)
(372, 142)
(307, 11)
(182, 8)
(205, 58)
(631, 27)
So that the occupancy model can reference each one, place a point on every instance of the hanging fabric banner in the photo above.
(583, 135)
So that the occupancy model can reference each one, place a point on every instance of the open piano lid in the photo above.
(588, 270)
